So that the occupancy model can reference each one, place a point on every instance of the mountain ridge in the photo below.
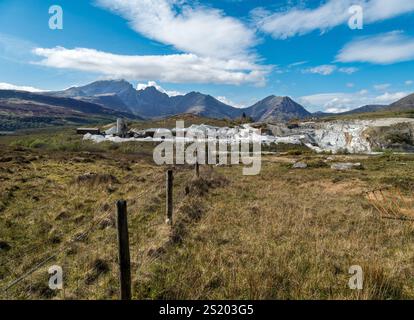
(151, 103)
(119, 98)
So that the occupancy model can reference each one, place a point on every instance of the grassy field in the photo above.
(370, 115)
(283, 234)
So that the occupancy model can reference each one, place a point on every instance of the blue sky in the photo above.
(239, 51)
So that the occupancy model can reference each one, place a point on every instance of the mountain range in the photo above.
(109, 99)
(151, 103)
(148, 103)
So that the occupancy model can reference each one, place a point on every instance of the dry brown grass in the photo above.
(284, 234)
(288, 235)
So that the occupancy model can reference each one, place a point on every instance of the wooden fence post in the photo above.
(123, 251)
(197, 166)
(169, 198)
(197, 169)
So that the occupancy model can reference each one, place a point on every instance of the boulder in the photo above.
(300, 165)
(345, 166)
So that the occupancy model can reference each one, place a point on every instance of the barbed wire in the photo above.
(78, 237)
(74, 239)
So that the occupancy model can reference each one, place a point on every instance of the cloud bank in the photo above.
(386, 48)
(142, 86)
(175, 68)
(9, 86)
(328, 69)
(193, 29)
(297, 21)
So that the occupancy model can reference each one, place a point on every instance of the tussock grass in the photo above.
(284, 234)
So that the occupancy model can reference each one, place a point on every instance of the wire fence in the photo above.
(89, 269)
(85, 267)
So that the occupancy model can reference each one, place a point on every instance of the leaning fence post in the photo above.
(169, 199)
(123, 251)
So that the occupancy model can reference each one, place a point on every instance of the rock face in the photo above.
(341, 137)
(365, 136)
(353, 136)
(358, 136)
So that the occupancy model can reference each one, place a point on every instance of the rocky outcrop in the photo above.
(353, 136)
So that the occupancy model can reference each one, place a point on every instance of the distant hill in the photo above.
(367, 108)
(204, 105)
(22, 110)
(404, 104)
(275, 108)
(401, 108)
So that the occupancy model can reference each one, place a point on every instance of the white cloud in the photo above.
(328, 69)
(171, 93)
(297, 21)
(350, 84)
(295, 64)
(214, 48)
(8, 86)
(175, 68)
(377, 10)
(349, 70)
(324, 70)
(387, 97)
(337, 110)
(382, 87)
(189, 28)
(341, 102)
(409, 82)
(230, 102)
(385, 48)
